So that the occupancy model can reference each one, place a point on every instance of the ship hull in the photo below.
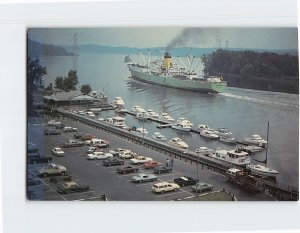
(190, 85)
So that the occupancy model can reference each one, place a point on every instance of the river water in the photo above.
(244, 112)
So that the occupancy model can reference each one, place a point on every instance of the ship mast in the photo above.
(148, 58)
(142, 57)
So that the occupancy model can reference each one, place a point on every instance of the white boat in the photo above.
(252, 149)
(137, 109)
(204, 127)
(186, 120)
(120, 110)
(178, 143)
(166, 117)
(182, 124)
(222, 132)
(159, 136)
(209, 134)
(228, 139)
(152, 114)
(256, 140)
(237, 156)
(142, 131)
(142, 116)
(204, 150)
(118, 102)
(262, 170)
(117, 121)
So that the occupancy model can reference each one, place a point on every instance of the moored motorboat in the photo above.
(182, 124)
(222, 132)
(204, 127)
(166, 117)
(204, 150)
(142, 131)
(178, 143)
(118, 102)
(256, 140)
(116, 121)
(152, 114)
(137, 109)
(159, 136)
(209, 134)
(262, 170)
(252, 149)
(142, 116)
(228, 139)
(120, 110)
(236, 157)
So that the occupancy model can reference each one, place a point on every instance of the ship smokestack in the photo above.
(168, 61)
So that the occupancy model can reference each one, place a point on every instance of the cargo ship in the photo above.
(166, 73)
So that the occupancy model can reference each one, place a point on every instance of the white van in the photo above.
(165, 187)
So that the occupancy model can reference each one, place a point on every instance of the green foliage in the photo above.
(250, 63)
(49, 88)
(35, 72)
(67, 83)
(86, 89)
(59, 82)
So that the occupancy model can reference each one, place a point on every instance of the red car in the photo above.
(87, 137)
(151, 164)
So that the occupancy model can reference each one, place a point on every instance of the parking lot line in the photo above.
(168, 194)
(51, 188)
(187, 192)
(79, 193)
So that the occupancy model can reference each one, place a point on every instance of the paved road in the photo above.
(105, 180)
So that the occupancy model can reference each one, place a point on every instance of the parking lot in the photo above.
(106, 181)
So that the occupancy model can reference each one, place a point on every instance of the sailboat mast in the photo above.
(266, 160)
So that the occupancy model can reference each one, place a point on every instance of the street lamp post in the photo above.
(197, 173)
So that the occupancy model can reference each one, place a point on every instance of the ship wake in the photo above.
(261, 101)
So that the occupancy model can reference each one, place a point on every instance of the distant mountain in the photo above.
(36, 49)
(95, 49)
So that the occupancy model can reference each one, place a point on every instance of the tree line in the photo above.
(265, 64)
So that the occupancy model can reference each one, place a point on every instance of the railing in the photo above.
(277, 190)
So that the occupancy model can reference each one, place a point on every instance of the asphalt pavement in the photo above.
(106, 181)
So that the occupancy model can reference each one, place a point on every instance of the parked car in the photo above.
(52, 169)
(59, 126)
(127, 154)
(56, 179)
(70, 129)
(99, 155)
(127, 169)
(185, 180)
(86, 137)
(52, 132)
(72, 143)
(58, 152)
(92, 149)
(162, 169)
(143, 177)
(151, 164)
(201, 187)
(79, 135)
(140, 160)
(69, 187)
(97, 142)
(53, 122)
(116, 152)
(112, 162)
(165, 187)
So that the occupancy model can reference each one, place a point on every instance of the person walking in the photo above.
(172, 161)
(168, 162)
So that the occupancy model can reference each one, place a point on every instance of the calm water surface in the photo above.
(244, 112)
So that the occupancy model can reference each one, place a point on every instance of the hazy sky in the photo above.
(266, 38)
